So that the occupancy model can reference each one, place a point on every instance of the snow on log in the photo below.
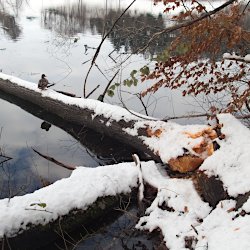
(101, 117)
(96, 143)
(163, 141)
(85, 195)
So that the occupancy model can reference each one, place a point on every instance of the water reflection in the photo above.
(10, 26)
(120, 234)
(66, 19)
(17, 177)
(26, 171)
(71, 20)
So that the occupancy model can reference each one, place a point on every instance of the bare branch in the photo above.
(100, 45)
(101, 97)
(187, 116)
(54, 160)
(92, 91)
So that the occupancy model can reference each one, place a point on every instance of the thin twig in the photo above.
(186, 116)
(40, 210)
(201, 115)
(7, 159)
(143, 104)
(195, 229)
(92, 91)
(64, 241)
(245, 7)
(7, 242)
(101, 97)
(100, 45)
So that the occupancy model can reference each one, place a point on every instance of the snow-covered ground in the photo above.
(187, 216)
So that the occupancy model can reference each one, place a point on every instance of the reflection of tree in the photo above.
(12, 5)
(68, 19)
(132, 31)
(9, 25)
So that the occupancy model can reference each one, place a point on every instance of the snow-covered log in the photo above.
(36, 219)
(213, 215)
(163, 141)
(46, 236)
(106, 119)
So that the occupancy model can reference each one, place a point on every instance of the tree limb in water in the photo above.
(7, 158)
(54, 160)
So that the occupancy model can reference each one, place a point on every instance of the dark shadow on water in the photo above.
(113, 229)
(120, 234)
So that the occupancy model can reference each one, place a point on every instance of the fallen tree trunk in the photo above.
(108, 149)
(87, 117)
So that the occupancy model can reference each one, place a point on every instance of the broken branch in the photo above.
(54, 160)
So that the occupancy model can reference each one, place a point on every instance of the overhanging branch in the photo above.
(186, 24)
